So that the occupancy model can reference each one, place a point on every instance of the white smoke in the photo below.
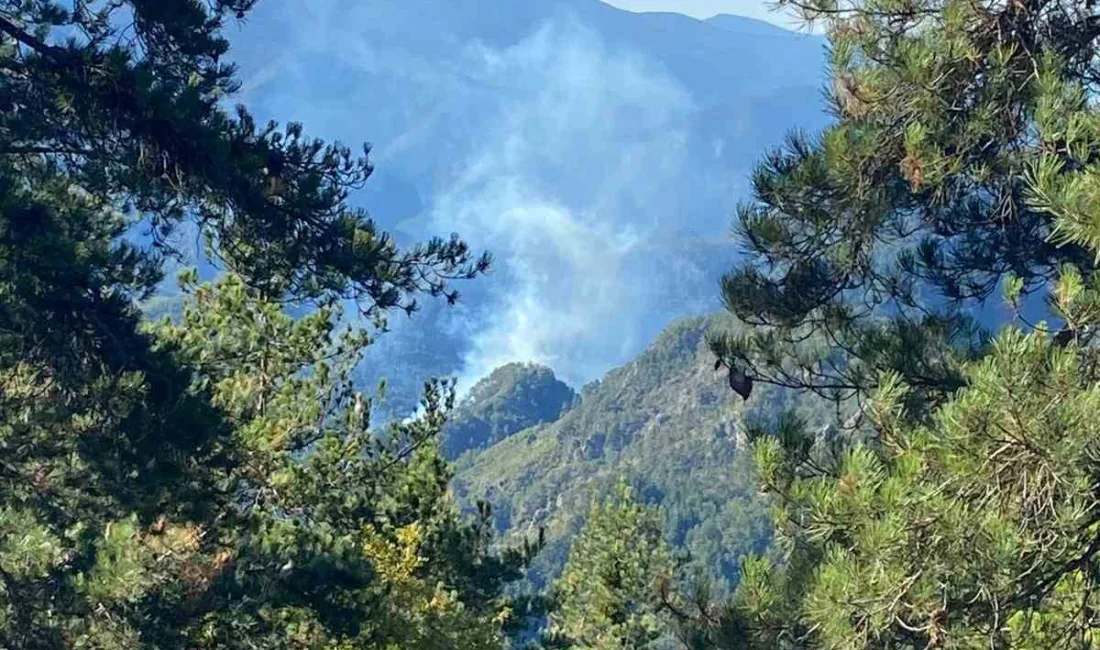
(566, 293)
(590, 172)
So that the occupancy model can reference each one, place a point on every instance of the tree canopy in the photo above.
(213, 481)
(608, 591)
(961, 158)
(126, 100)
(961, 511)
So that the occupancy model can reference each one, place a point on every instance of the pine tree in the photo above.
(124, 100)
(212, 483)
(975, 528)
(961, 156)
(342, 536)
(962, 511)
(609, 594)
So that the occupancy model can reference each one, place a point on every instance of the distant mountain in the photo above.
(512, 398)
(670, 424)
(597, 153)
(750, 27)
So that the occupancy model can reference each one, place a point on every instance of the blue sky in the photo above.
(707, 8)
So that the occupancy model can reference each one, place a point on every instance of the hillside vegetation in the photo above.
(512, 398)
(667, 422)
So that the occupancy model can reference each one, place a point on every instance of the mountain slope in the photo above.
(669, 423)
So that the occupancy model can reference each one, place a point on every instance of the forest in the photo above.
(907, 344)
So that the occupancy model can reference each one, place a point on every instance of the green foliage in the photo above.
(669, 423)
(514, 397)
(608, 596)
(286, 385)
(209, 481)
(961, 510)
(977, 529)
(99, 432)
(325, 535)
(126, 97)
(963, 156)
(348, 535)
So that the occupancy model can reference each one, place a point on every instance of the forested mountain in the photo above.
(668, 423)
(584, 146)
(512, 398)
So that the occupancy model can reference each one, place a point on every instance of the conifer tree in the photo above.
(124, 100)
(342, 535)
(609, 594)
(962, 154)
(210, 483)
(975, 527)
(963, 511)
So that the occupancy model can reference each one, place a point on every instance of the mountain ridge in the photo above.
(514, 397)
(667, 422)
(748, 26)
